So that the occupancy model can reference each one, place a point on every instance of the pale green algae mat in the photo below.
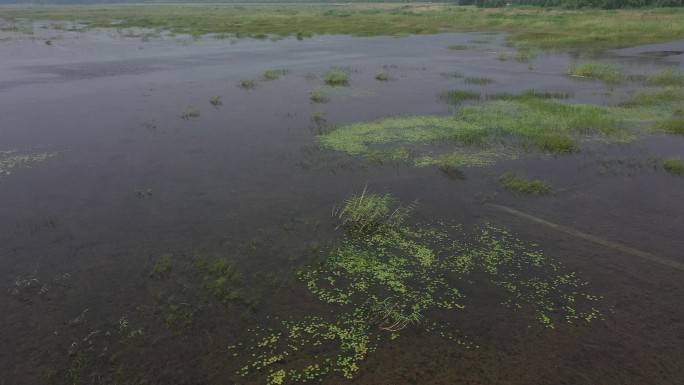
(482, 134)
(387, 276)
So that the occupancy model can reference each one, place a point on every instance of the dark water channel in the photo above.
(131, 181)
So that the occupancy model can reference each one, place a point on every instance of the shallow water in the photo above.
(130, 181)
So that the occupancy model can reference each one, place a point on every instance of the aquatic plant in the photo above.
(318, 97)
(451, 75)
(382, 76)
(247, 84)
(274, 74)
(520, 184)
(529, 94)
(674, 165)
(215, 100)
(459, 96)
(479, 80)
(336, 78)
(595, 70)
(458, 47)
(189, 113)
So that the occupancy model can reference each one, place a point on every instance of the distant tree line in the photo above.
(571, 4)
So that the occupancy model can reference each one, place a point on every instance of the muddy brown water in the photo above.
(245, 181)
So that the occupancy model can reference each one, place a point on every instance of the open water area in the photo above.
(127, 163)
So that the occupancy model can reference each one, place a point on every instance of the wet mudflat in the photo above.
(152, 233)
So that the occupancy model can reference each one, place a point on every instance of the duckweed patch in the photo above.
(520, 184)
(12, 159)
(395, 277)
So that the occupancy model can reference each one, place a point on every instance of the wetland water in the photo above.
(108, 240)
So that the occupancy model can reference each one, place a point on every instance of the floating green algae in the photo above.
(482, 134)
(11, 159)
(384, 279)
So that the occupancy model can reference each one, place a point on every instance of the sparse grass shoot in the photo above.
(451, 75)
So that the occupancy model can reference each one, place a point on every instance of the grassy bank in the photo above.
(544, 28)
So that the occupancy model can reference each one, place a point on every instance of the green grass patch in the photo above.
(318, 97)
(520, 184)
(529, 94)
(595, 70)
(336, 78)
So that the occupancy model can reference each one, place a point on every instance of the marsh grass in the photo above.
(459, 96)
(190, 113)
(479, 80)
(595, 70)
(274, 74)
(451, 171)
(458, 47)
(520, 184)
(336, 78)
(318, 97)
(674, 165)
(247, 84)
(529, 94)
